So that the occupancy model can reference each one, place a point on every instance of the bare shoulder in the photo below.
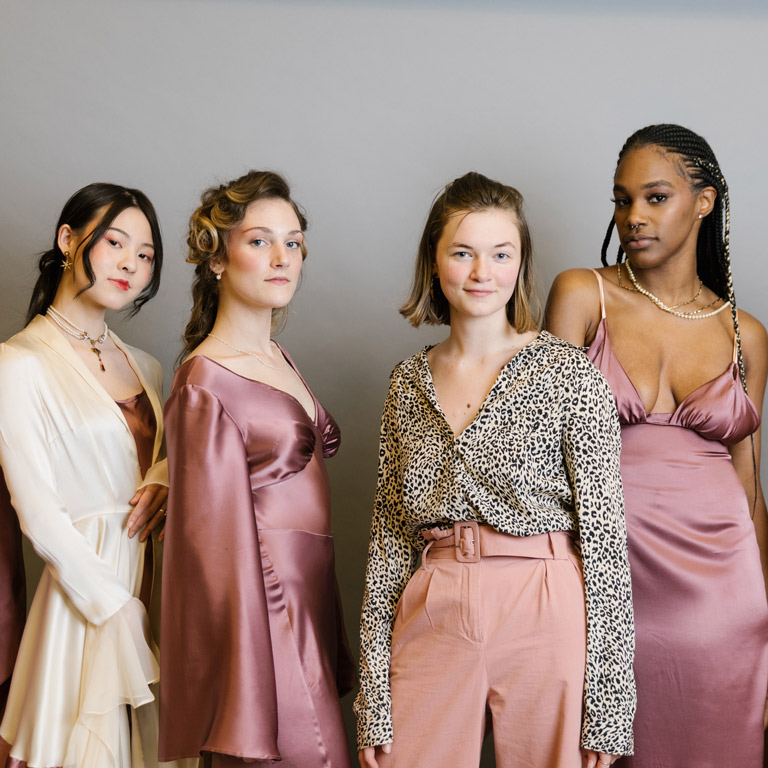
(754, 341)
(573, 306)
(752, 330)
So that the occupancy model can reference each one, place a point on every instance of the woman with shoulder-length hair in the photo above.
(80, 440)
(254, 646)
(498, 485)
(688, 373)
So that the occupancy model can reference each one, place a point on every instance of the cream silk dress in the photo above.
(86, 660)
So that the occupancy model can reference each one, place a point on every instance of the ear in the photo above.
(706, 201)
(65, 237)
(217, 268)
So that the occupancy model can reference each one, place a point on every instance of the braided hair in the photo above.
(699, 165)
(713, 248)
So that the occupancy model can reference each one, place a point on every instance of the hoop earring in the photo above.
(66, 262)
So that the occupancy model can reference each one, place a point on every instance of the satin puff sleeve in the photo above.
(218, 689)
(28, 436)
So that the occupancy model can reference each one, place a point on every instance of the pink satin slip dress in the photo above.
(701, 617)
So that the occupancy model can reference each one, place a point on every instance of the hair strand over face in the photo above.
(471, 193)
(107, 201)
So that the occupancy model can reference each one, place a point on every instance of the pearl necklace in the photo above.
(695, 315)
(246, 352)
(674, 306)
(76, 332)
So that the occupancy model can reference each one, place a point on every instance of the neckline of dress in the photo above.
(672, 414)
(314, 421)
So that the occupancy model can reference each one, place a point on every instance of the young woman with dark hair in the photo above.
(498, 487)
(80, 439)
(254, 648)
(688, 372)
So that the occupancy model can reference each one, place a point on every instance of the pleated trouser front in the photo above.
(503, 637)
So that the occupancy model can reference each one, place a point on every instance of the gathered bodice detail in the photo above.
(719, 409)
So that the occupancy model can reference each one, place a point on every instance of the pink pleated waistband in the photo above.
(468, 541)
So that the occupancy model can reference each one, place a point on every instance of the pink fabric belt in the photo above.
(469, 541)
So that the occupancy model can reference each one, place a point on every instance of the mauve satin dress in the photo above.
(253, 654)
(701, 617)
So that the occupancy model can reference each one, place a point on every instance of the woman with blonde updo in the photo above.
(254, 645)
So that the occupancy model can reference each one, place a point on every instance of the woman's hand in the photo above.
(596, 759)
(149, 510)
(367, 755)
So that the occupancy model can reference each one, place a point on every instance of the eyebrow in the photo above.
(123, 232)
(649, 185)
(293, 232)
(470, 248)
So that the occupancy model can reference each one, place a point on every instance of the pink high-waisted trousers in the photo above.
(498, 632)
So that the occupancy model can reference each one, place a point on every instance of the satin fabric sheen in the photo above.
(701, 619)
(138, 414)
(86, 660)
(254, 652)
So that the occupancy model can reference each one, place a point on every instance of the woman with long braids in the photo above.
(80, 439)
(497, 589)
(254, 646)
(688, 372)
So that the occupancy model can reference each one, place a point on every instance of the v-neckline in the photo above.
(314, 421)
(672, 414)
(432, 391)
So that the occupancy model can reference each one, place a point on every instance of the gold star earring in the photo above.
(66, 263)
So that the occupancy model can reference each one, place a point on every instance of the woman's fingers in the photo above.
(367, 755)
(149, 510)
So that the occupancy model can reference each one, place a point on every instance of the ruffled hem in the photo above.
(120, 662)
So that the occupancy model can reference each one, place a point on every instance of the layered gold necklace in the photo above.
(696, 314)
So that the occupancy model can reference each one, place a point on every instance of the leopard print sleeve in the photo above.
(591, 446)
(390, 563)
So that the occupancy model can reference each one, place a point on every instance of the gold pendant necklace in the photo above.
(76, 332)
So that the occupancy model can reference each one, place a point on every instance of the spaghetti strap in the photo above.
(602, 294)
(735, 341)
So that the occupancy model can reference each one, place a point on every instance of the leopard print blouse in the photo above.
(551, 415)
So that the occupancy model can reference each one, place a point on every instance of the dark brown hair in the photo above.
(78, 212)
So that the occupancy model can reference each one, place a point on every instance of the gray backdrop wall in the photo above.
(368, 108)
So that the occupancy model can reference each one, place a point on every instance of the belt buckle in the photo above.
(467, 541)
